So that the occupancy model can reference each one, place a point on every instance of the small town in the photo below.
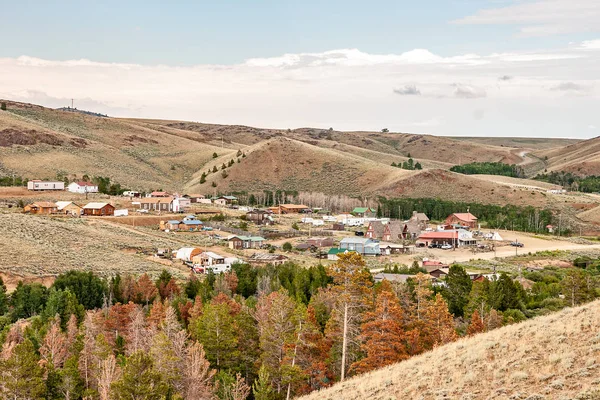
(240, 233)
(258, 200)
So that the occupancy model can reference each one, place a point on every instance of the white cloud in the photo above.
(463, 91)
(590, 45)
(346, 89)
(542, 17)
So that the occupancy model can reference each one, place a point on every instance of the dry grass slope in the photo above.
(42, 246)
(551, 357)
(581, 158)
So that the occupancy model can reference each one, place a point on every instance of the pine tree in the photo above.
(203, 178)
(457, 289)
(276, 327)
(217, 332)
(215, 155)
(418, 165)
(262, 388)
(145, 290)
(478, 299)
(476, 326)
(576, 287)
(352, 285)
(21, 377)
(312, 355)
(139, 380)
(55, 348)
(382, 333)
(197, 376)
(439, 325)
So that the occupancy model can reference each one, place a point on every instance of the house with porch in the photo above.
(41, 207)
(245, 242)
(68, 208)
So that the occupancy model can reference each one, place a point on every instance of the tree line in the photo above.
(526, 219)
(259, 333)
(489, 168)
(586, 184)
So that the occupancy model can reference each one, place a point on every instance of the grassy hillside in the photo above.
(581, 158)
(41, 143)
(551, 357)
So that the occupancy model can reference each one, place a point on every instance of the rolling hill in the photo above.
(146, 154)
(581, 158)
(552, 357)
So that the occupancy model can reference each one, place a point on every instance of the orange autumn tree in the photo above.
(439, 324)
(476, 325)
(382, 333)
(313, 353)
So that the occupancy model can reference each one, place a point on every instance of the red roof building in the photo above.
(463, 219)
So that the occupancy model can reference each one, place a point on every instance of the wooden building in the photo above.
(98, 209)
(463, 219)
(259, 217)
(68, 208)
(41, 207)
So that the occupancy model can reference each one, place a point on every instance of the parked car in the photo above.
(142, 210)
(446, 246)
(517, 244)
(359, 233)
(434, 246)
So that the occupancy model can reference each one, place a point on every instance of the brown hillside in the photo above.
(288, 164)
(551, 357)
(421, 147)
(582, 158)
(37, 142)
(448, 185)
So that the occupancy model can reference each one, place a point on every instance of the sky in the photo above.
(447, 67)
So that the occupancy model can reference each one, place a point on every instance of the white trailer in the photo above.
(45, 185)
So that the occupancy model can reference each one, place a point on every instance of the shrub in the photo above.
(215, 155)
(287, 246)
(3, 106)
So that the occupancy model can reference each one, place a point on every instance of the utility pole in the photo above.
(72, 103)
(559, 223)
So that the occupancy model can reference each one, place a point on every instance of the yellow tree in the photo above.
(352, 286)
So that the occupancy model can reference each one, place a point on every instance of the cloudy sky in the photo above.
(446, 67)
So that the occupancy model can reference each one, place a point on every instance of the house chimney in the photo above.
(414, 213)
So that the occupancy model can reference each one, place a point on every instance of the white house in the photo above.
(82, 187)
